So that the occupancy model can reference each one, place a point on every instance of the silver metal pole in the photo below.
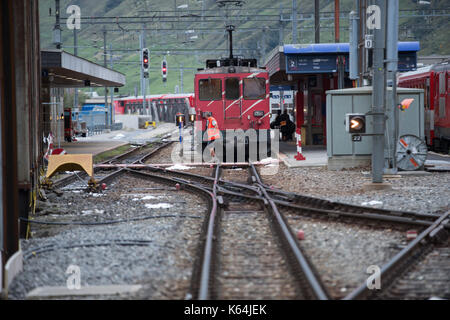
(143, 79)
(281, 28)
(112, 90)
(294, 21)
(141, 46)
(354, 45)
(75, 52)
(378, 95)
(316, 21)
(105, 65)
(181, 78)
(392, 65)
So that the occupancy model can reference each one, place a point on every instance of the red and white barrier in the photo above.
(298, 135)
(50, 149)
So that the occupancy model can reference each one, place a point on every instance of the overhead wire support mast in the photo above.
(378, 26)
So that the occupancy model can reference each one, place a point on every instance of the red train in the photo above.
(434, 80)
(165, 105)
(236, 93)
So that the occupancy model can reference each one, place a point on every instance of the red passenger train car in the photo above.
(237, 94)
(434, 80)
(166, 105)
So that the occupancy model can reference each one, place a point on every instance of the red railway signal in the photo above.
(145, 62)
(164, 70)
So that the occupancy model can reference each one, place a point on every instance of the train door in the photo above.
(232, 104)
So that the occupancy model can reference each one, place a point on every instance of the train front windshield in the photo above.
(210, 89)
(254, 88)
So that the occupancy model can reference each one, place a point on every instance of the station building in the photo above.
(31, 106)
(310, 70)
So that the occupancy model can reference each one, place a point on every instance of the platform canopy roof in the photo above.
(321, 58)
(62, 69)
(338, 47)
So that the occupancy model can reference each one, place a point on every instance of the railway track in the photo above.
(428, 278)
(240, 195)
(137, 155)
(249, 261)
(256, 267)
(390, 275)
(267, 258)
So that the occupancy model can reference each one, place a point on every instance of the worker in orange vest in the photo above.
(212, 129)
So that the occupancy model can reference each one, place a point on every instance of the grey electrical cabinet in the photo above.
(342, 152)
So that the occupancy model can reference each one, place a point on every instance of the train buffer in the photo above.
(71, 162)
(150, 123)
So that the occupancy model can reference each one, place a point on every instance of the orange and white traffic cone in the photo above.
(298, 135)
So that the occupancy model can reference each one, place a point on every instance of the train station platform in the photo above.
(99, 143)
(316, 156)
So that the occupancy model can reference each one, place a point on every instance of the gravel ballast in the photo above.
(163, 261)
(428, 193)
(340, 252)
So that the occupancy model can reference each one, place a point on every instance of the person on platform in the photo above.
(276, 122)
(212, 130)
(287, 127)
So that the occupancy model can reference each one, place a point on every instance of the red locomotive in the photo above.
(434, 80)
(236, 93)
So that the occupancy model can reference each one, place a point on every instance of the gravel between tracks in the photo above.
(163, 266)
(342, 253)
(424, 194)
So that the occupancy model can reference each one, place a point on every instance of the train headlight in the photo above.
(192, 117)
(258, 113)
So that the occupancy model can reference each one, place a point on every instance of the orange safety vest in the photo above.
(212, 129)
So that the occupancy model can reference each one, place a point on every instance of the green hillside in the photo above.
(177, 43)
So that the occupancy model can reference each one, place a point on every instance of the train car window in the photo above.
(254, 88)
(442, 83)
(210, 89)
(232, 88)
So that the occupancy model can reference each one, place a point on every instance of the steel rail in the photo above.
(204, 280)
(400, 217)
(120, 171)
(365, 212)
(294, 197)
(70, 179)
(363, 215)
(389, 270)
(318, 289)
(205, 277)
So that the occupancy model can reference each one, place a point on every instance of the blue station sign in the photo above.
(322, 57)
(322, 63)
